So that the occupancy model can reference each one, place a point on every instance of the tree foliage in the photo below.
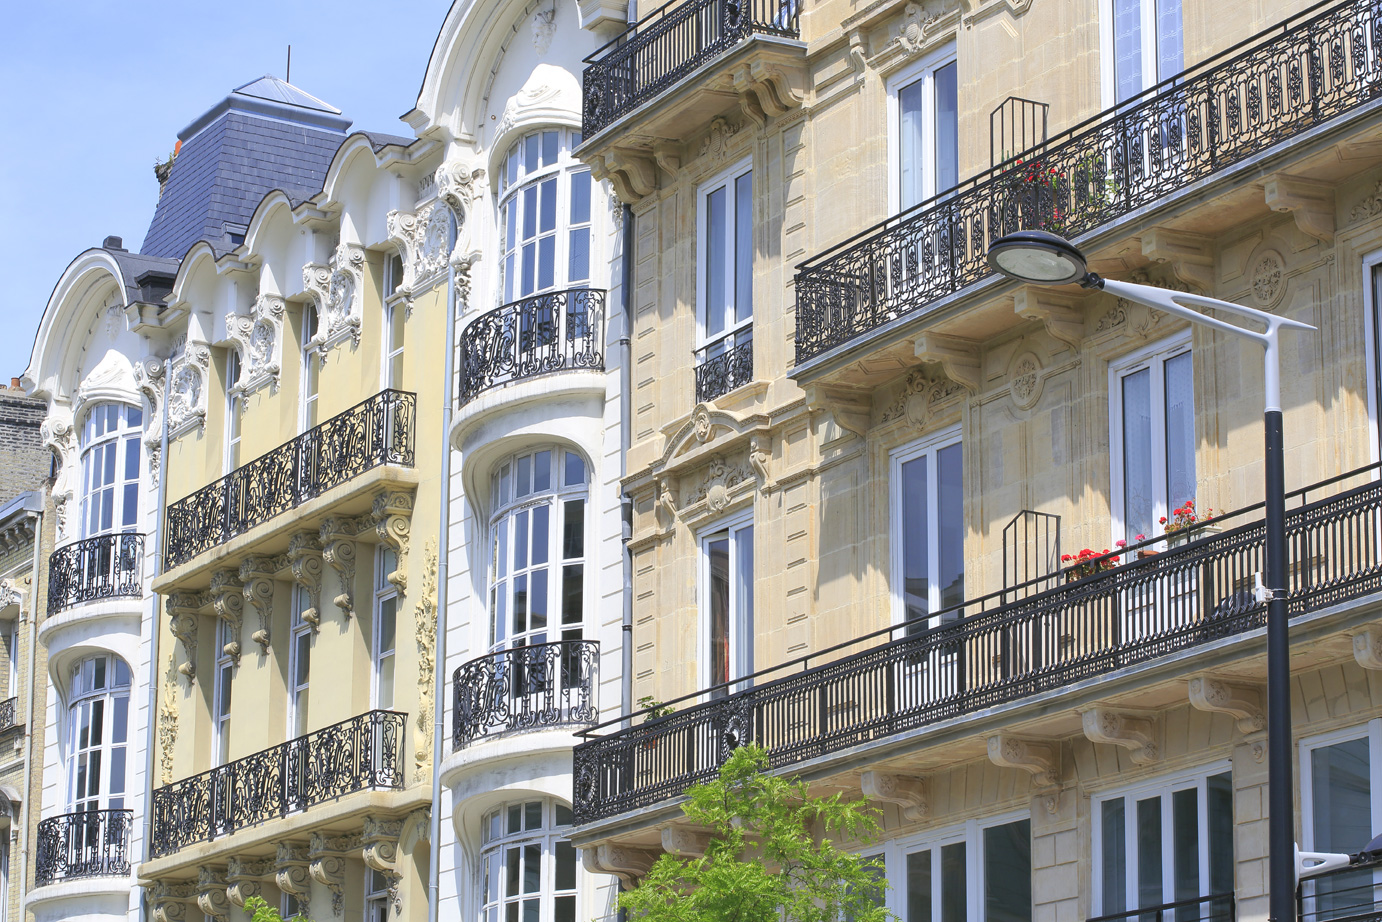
(261, 911)
(772, 855)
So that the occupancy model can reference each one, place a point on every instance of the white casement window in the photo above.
(233, 410)
(726, 604)
(1166, 842)
(393, 275)
(538, 535)
(396, 315)
(528, 866)
(544, 211)
(1372, 295)
(1143, 44)
(311, 367)
(299, 662)
(110, 468)
(928, 528)
(376, 896)
(98, 710)
(220, 694)
(724, 241)
(1152, 421)
(924, 138)
(1339, 772)
(385, 626)
(289, 906)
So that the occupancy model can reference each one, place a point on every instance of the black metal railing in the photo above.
(92, 843)
(557, 331)
(720, 374)
(526, 688)
(1218, 907)
(9, 714)
(364, 752)
(1015, 127)
(993, 650)
(103, 567)
(667, 45)
(1262, 92)
(1352, 894)
(377, 431)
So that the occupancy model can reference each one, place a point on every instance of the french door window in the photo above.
(727, 603)
(1339, 772)
(1152, 409)
(544, 211)
(975, 873)
(110, 468)
(528, 866)
(1146, 41)
(233, 410)
(926, 129)
(220, 695)
(98, 719)
(385, 626)
(299, 662)
(311, 367)
(928, 528)
(725, 242)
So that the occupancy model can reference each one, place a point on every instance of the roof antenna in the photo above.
(288, 77)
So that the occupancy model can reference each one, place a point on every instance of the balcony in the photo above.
(1253, 99)
(1002, 648)
(1345, 895)
(377, 432)
(717, 375)
(542, 335)
(95, 569)
(93, 843)
(9, 714)
(1217, 908)
(363, 753)
(526, 688)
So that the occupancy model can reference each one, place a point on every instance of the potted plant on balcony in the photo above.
(1087, 563)
(1187, 524)
(654, 710)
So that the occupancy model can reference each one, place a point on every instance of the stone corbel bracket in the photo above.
(211, 894)
(1241, 702)
(1310, 202)
(228, 601)
(631, 171)
(292, 874)
(958, 358)
(423, 241)
(627, 864)
(338, 549)
(393, 517)
(851, 408)
(327, 863)
(905, 791)
(767, 90)
(380, 841)
(1367, 648)
(184, 609)
(1060, 314)
(148, 375)
(1189, 256)
(245, 878)
(1040, 760)
(305, 557)
(170, 900)
(1135, 731)
(257, 576)
(685, 841)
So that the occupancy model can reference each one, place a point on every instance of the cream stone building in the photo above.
(857, 456)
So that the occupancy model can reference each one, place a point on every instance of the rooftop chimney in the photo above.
(114, 243)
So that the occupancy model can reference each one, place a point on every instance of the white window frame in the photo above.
(508, 195)
(309, 414)
(923, 70)
(376, 899)
(1372, 262)
(384, 591)
(930, 446)
(394, 309)
(122, 439)
(234, 399)
(1372, 732)
(1151, 60)
(741, 637)
(492, 851)
(1163, 787)
(299, 628)
(75, 703)
(224, 684)
(970, 832)
(733, 332)
(1153, 356)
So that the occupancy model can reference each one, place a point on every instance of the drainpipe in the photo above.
(625, 439)
(26, 798)
(439, 670)
(149, 730)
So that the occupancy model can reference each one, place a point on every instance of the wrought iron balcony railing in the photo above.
(9, 714)
(1346, 895)
(526, 688)
(667, 45)
(557, 331)
(103, 567)
(1216, 908)
(993, 650)
(364, 752)
(1261, 93)
(369, 434)
(720, 374)
(93, 843)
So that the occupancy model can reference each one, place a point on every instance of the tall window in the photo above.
(220, 695)
(1152, 409)
(927, 147)
(311, 367)
(529, 866)
(976, 872)
(544, 210)
(1167, 843)
(725, 244)
(299, 662)
(233, 410)
(1145, 42)
(928, 527)
(98, 718)
(385, 625)
(537, 568)
(1339, 772)
(727, 603)
(376, 896)
(110, 468)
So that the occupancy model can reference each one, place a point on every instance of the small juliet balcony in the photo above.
(542, 686)
(359, 754)
(79, 846)
(95, 570)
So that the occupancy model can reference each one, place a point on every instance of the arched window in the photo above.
(529, 866)
(98, 712)
(110, 468)
(537, 570)
(544, 213)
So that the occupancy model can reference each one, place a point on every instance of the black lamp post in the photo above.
(1041, 258)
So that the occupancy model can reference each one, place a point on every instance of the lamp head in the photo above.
(1039, 258)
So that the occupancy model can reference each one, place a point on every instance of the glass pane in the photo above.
(547, 220)
(530, 153)
(575, 469)
(915, 550)
(580, 197)
(1113, 856)
(1340, 793)
(520, 540)
(953, 896)
(1169, 39)
(564, 816)
(573, 529)
(578, 256)
(572, 593)
(117, 770)
(520, 604)
(515, 824)
(532, 868)
(743, 579)
(919, 887)
(529, 270)
(1137, 454)
(512, 859)
(549, 147)
(717, 233)
(1219, 795)
(718, 551)
(1185, 847)
(529, 196)
(950, 529)
(387, 621)
(566, 865)
(910, 134)
(1180, 432)
(132, 455)
(565, 909)
(134, 417)
(1127, 48)
(1149, 878)
(537, 601)
(743, 247)
(947, 129)
(542, 471)
(1008, 872)
(129, 512)
(541, 539)
(120, 718)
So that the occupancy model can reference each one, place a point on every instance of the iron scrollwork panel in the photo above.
(536, 336)
(102, 567)
(524, 688)
(90, 843)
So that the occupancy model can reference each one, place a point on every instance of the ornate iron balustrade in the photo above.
(525, 688)
(667, 45)
(377, 431)
(103, 567)
(1216, 908)
(1351, 894)
(721, 374)
(557, 331)
(996, 649)
(364, 752)
(9, 714)
(1258, 94)
(93, 843)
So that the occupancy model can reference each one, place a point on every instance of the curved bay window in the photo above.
(529, 866)
(544, 214)
(110, 468)
(98, 730)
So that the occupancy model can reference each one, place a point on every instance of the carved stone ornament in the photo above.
(424, 242)
(10, 594)
(425, 626)
(292, 875)
(1241, 702)
(187, 389)
(1367, 648)
(245, 878)
(211, 894)
(1134, 732)
(60, 437)
(183, 611)
(148, 377)
(717, 139)
(907, 792)
(920, 398)
(758, 460)
(170, 900)
(916, 23)
(168, 722)
(305, 557)
(1369, 207)
(1040, 760)
(228, 601)
(720, 479)
(338, 549)
(1268, 279)
(380, 840)
(684, 841)
(459, 185)
(1025, 380)
(338, 290)
(393, 518)
(327, 857)
(257, 575)
(544, 25)
(258, 338)
(700, 421)
(626, 863)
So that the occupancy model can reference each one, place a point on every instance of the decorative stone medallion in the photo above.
(1268, 279)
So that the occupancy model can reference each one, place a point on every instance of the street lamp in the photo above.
(1041, 258)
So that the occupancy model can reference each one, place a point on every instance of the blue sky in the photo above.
(95, 92)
